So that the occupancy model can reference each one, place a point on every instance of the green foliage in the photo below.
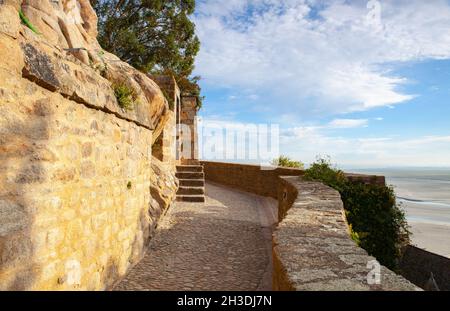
(155, 36)
(285, 161)
(125, 95)
(323, 170)
(377, 223)
(380, 224)
(169, 99)
(190, 86)
(27, 22)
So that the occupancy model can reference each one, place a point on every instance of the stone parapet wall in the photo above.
(263, 180)
(312, 248)
(246, 177)
(367, 179)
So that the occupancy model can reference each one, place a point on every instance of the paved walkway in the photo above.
(224, 244)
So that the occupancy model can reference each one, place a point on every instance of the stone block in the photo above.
(87, 169)
(86, 149)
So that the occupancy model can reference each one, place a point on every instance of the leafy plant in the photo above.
(285, 161)
(377, 222)
(27, 22)
(125, 95)
(323, 171)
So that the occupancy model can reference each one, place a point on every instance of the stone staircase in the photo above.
(192, 183)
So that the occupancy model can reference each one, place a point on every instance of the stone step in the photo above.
(190, 162)
(190, 198)
(190, 175)
(191, 190)
(189, 168)
(192, 183)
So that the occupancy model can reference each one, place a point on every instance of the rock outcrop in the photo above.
(80, 194)
(164, 186)
(65, 57)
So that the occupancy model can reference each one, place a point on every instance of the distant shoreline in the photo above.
(424, 194)
(423, 201)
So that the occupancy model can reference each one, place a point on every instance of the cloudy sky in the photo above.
(365, 82)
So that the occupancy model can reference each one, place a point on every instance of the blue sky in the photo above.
(365, 82)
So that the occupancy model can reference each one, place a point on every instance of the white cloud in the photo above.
(308, 143)
(305, 143)
(329, 61)
(348, 123)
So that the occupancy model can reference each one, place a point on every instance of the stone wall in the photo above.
(312, 249)
(367, 179)
(263, 181)
(74, 193)
(79, 191)
(188, 132)
(425, 269)
(250, 178)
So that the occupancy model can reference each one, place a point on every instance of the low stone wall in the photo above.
(312, 249)
(264, 181)
(250, 178)
(421, 267)
(367, 179)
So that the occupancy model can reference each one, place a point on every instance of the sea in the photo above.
(424, 194)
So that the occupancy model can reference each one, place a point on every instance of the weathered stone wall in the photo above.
(74, 193)
(188, 118)
(263, 181)
(250, 178)
(79, 191)
(312, 249)
(421, 267)
(367, 179)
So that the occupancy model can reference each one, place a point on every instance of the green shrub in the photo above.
(125, 96)
(285, 161)
(377, 223)
(323, 171)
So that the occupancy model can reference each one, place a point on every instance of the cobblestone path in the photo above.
(224, 244)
